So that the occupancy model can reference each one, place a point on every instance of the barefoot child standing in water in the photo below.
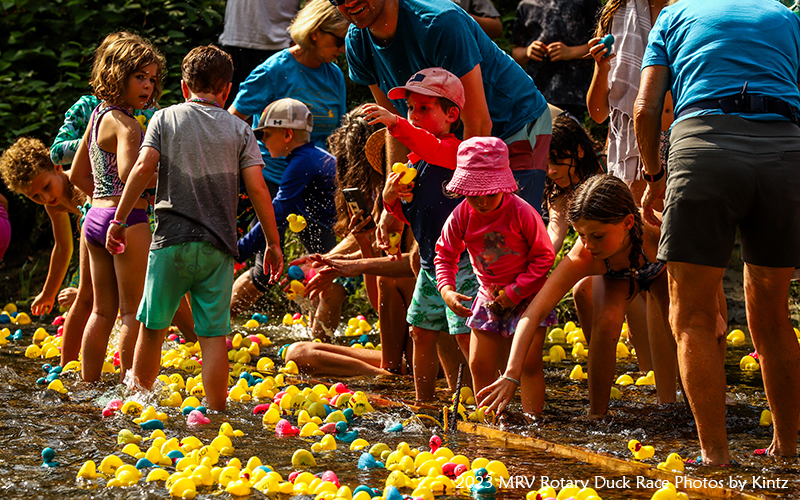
(202, 149)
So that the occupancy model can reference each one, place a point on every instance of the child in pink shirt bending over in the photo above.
(511, 254)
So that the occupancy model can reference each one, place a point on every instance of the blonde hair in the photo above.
(23, 161)
(117, 57)
(316, 15)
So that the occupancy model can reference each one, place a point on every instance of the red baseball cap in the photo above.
(436, 82)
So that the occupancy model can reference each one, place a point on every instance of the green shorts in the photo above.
(428, 310)
(196, 267)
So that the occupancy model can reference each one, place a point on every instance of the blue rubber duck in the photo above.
(296, 273)
(342, 434)
(363, 487)
(48, 455)
(483, 487)
(367, 461)
(393, 493)
(349, 415)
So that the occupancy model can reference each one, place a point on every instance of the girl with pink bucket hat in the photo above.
(511, 254)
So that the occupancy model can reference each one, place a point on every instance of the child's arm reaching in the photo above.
(575, 266)
(262, 203)
(59, 261)
(449, 248)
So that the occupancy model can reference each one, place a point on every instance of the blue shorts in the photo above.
(428, 310)
(197, 267)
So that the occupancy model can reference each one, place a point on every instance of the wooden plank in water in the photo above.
(603, 460)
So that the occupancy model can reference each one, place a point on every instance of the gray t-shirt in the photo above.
(258, 24)
(202, 149)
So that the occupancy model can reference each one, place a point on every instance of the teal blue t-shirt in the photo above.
(713, 47)
(321, 89)
(436, 33)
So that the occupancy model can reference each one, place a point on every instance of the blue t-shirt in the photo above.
(307, 188)
(321, 89)
(433, 33)
(712, 48)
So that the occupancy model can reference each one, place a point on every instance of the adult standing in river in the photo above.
(734, 162)
(391, 40)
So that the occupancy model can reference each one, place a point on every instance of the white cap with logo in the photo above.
(286, 113)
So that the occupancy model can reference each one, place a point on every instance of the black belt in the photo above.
(743, 102)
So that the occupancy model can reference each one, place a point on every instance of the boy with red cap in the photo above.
(435, 99)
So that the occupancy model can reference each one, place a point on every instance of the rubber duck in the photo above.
(132, 408)
(555, 355)
(736, 338)
(624, 380)
(674, 463)
(345, 435)
(110, 464)
(393, 427)
(649, 379)
(556, 336)
(296, 222)
(577, 373)
(766, 418)
(303, 458)
(622, 351)
(240, 487)
(296, 273)
(197, 418)
(22, 319)
(367, 461)
(616, 395)
(749, 364)
(408, 173)
(47, 456)
(579, 352)
(183, 488)
(88, 470)
(640, 452)
(483, 486)
(150, 413)
(434, 442)
(359, 444)
(394, 243)
(125, 436)
(576, 336)
(152, 424)
(296, 289)
(285, 428)
(58, 386)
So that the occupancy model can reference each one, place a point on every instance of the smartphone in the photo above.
(355, 202)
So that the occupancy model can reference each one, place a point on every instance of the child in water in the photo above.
(126, 76)
(620, 250)
(27, 169)
(511, 255)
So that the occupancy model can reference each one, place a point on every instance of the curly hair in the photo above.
(23, 161)
(608, 200)
(117, 57)
(346, 143)
(568, 137)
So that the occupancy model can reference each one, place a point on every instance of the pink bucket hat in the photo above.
(482, 168)
(436, 82)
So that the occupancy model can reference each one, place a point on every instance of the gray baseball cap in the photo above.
(286, 113)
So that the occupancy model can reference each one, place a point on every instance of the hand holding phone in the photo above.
(355, 202)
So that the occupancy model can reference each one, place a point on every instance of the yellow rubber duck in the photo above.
(736, 338)
(88, 470)
(674, 463)
(766, 418)
(394, 242)
(557, 336)
(304, 458)
(183, 488)
(640, 452)
(295, 288)
(624, 380)
(577, 373)
(579, 352)
(409, 173)
(749, 364)
(296, 222)
(649, 379)
(622, 351)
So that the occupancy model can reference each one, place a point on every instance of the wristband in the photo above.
(119, 223)
(656, 177)
(510, 379)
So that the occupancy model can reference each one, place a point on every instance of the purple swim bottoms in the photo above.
(95, 226)
(484, 319)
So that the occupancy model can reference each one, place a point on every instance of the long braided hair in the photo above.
(569, 136)
(608, 200)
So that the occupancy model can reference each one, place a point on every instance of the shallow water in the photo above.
(32, 418)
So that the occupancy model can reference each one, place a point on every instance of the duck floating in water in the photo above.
(196, 418)
(577, 373)
(483, 487)
(735, 338)
(649, 379)
(434, 442)
(640, 452)
(344, 435)
(367, 461)
(766, 418)
(674, 463)
(47, 456)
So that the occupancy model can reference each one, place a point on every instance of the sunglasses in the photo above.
(339, 40)
(261, 135)
(337, 3)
